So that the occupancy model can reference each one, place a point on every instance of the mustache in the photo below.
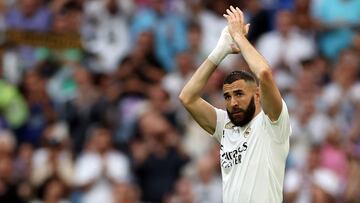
(238, 110)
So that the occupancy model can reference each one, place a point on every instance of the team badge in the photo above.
(247, 132)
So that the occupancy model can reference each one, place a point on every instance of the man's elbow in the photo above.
(265, 75)
(183, 98)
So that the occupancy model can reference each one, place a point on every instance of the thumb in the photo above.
(235, 49)
(247, 26)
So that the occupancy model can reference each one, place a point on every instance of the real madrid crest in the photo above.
(247, 132)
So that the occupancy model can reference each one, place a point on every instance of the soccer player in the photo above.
(255, 128)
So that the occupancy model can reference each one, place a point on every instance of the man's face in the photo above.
(284, 21)
(240, 101)
(29, 7)
(103, 139)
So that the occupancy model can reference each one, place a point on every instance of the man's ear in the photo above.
(257, 95)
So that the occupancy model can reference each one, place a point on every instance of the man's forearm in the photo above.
(254, 59)
(192, 89)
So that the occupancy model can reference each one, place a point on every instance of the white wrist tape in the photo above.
(223, 47)
(217, 55)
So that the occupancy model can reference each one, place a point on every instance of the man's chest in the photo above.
(235, 143)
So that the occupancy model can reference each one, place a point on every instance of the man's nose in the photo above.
(234, 102)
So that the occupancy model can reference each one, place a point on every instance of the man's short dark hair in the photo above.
(240, 75)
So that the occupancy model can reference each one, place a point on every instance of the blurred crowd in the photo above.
(103, 123)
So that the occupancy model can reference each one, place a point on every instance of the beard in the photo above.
(248, 114)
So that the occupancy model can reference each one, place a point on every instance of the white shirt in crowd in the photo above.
(292, 49)
(94, 168)
(253, 157)
(208, 192)
(107, 35)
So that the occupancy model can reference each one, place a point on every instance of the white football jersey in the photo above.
(253, 157)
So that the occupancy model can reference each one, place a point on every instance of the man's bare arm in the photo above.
(202, 112)
(270, 97)
(190, 96)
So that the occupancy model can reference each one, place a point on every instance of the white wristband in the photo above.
(223, 47)
(217, 55)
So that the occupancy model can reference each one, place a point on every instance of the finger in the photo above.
(235, 12)
(241, 15)
(227, 17)
(247, 27)
(230, 13)
(232, 9)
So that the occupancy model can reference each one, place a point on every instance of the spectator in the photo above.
(14, 109)
(100, 167)
(286, 46)
(356, 43)
(326, 188)
(10, 188)
(158, 158)
(53, 190)
(106, 31)
(54, 158)
(298, 180)
(352, 190)
(207, 184)
(79, 112)
(30, 15)
(336, 21)
(159, 100)
(107, 106)
(7, 143)
(57, 65)
(173, 82)
(183, 192)
(339, 97)
(213, 22)
(260, 19)
(302, 17)
(194, 37)
(169, 31)
(131, 105)
(2, 19)
(126, 193)
(23, 162)
(333, 155)
(41, 108)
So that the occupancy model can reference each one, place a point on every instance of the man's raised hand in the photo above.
(224, 47)
(235, 18)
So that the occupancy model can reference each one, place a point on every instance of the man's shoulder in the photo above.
(222, 116)
(222, 120)
(283, 117)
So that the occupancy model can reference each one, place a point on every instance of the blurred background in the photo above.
(89, 110)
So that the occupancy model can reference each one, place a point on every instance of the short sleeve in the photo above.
(221, 116)
(279, 130)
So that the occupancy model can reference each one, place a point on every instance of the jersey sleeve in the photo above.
(279, 130)
(220, 123)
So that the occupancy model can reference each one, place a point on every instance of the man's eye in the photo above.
(227, 97)
(239, 94)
